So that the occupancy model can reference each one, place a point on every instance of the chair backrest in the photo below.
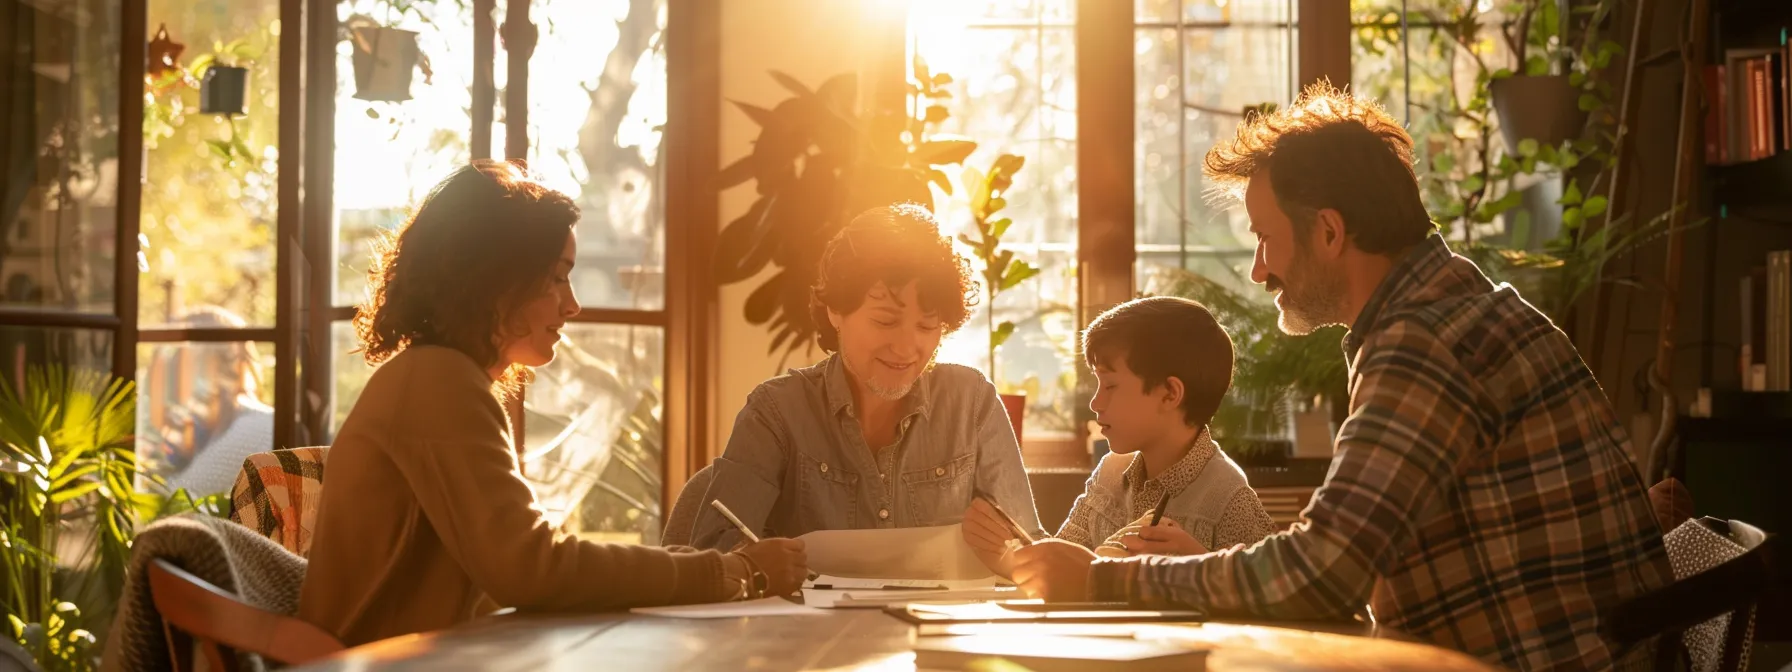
(194, 611)
(684, 511)
(1731, 587)
(277, 494)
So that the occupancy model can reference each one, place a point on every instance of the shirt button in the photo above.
(939, 471)
(883, 514)
(824, 467)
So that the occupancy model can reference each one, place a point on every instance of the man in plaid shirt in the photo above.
(1481, 496)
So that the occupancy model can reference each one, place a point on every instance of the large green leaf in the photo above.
(939, 152)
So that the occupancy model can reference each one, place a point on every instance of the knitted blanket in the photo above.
(232, 557)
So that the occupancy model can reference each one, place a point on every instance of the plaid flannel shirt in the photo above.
(1481, 496)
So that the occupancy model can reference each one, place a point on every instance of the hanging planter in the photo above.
(224, 89)
(384, 59)
(1545, 108)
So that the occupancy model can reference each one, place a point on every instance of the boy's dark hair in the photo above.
(1163, 336)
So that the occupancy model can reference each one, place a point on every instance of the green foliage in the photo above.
(819, 161)
(1268, 365)
(66, 474)
(1001, 271)
(1472, 179)
(69, 508)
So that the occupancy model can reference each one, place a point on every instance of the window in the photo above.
(596, 112)
(1200, 63)
(1013, 65)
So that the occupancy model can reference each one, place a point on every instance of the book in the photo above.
(935, 618)
(1055, 654)
(1779, 321)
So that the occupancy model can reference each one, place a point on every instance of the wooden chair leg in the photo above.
(180, 648)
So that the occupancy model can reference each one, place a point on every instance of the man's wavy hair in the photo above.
(895, 245)
(1329, 150)
(485, 239)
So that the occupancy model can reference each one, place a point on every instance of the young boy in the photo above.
(1162, 366)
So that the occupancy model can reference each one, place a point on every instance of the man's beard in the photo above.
(1312, 301)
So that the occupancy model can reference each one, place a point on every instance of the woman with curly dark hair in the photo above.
(877, 435)
(427, 521)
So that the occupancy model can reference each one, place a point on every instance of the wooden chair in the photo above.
(1735, 586)
(193, 610)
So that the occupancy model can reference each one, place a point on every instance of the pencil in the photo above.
(754, 538)
(1157, 515)
(1014, 526)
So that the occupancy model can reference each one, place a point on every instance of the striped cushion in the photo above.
(277, 495)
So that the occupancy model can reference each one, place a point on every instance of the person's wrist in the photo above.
(757, 582)
(737, 576)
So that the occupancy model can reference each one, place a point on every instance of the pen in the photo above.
(723, 508)
(1156, 516)
(1018, 530)
(754, 538)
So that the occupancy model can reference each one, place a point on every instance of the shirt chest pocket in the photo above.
(828, 495)
(939, 493)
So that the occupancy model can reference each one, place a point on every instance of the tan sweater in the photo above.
(425, 516)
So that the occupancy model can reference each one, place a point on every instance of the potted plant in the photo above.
(1547, 95)
(1001, 271)
(818, 161)
(385, 58)
(224, 78)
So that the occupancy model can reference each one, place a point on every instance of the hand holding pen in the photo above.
(783, 561)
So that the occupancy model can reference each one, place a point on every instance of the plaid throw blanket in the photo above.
(277, 494)
(232, 557)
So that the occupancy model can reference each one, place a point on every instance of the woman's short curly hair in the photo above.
(894, 245)
(485, 238)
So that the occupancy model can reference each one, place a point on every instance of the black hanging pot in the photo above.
(384, 59)
(224, 90)
(1545, 108)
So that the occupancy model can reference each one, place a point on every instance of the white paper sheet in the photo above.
(767, 606)
(937, 553)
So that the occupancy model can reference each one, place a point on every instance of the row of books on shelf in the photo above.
(1749, 105)
(1766, 353)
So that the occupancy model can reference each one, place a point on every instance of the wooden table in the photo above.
(844, 639)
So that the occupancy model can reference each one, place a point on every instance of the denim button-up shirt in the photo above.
(797, 461)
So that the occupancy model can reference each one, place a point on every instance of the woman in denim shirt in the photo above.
(877, 435)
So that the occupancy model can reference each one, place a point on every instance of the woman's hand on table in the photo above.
(1054, 570)
(784, 562)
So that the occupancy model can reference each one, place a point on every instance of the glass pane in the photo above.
(1428, 76)
(962, 12)
(201, 409)
(597, 111)
(21, 347)
(407, 128)
(349, 370)
(1014, 92)
(60, 154)
(1191, 94)
(209, 201)
(594, 437)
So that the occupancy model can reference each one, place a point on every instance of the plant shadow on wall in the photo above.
(69, 507)
(818, 161)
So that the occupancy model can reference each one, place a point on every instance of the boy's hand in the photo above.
(987, 535)
(1054, 570)
(1166, 538)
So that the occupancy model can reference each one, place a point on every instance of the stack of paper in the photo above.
(1051, 654)
(937, 553)
(767, 606)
